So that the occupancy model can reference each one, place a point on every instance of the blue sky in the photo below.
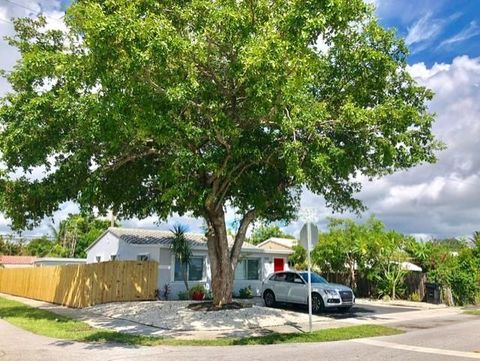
(431, 200)
(436, 31)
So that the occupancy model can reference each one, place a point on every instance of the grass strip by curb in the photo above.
(472, 312)
(49, 324)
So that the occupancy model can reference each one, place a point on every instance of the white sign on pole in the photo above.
(308, 238)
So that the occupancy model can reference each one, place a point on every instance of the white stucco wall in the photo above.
(266, 261)
(106, 246)
(128, 251)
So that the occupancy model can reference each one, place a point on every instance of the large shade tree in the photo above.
(153, 107)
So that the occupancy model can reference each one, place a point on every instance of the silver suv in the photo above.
(291, 287)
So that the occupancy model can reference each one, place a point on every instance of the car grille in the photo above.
(347, 296)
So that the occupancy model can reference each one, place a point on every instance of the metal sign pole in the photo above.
(309, 248)
(308, 239)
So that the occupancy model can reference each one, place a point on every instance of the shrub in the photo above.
(246, 292)
(183, 295)
(209, 295)
(460, 273)
(391, 281)
(165, 293)
(415, 297)
(299, 257)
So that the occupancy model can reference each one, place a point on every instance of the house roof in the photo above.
(285, 242)
(17, 259)
(408, 266)
(59, 259)
(162, 238)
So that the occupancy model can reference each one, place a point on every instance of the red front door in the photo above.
(278, 264)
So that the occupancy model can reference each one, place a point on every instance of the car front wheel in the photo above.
(317, 303)
(269, 298)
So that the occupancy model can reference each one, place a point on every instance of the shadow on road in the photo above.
(357, 311)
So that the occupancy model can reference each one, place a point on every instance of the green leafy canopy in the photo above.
(266, 231)
(152, 106)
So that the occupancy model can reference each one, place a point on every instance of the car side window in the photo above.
(281, 277)
(289, 277)
(298, 280)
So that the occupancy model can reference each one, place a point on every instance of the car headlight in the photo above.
(331, 293)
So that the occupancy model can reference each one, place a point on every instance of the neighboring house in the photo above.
(254, 266)
(278, 243)
(17, 261)
(53, 261)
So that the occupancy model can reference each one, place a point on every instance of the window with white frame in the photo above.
(143, 257)
(248, 269)
(113, 257)
(194, 269)
(98, 258)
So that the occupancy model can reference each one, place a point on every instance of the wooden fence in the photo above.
(414, 283)
(83, 285)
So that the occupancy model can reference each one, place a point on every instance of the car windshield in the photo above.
(315, 277)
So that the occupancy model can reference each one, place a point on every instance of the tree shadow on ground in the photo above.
(31, 313)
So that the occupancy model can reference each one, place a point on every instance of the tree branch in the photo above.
(116, 164)
(240, 236)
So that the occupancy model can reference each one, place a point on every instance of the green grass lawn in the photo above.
(49, 324)
(472, 312)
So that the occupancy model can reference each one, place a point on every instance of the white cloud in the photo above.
(321, 47)
(420, 70)
(472, 30)
(425, 28)
(407, 11)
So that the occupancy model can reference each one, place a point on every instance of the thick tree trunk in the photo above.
(220, 262)
(223, 259)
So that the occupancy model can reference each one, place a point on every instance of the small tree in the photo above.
(78, 231)
(10, 248)
(40, 247)
(264, 232)
(182, 250)
(298, 257)
(349, 247)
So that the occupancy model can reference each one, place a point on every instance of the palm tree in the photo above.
(476, 239)
(182, 249)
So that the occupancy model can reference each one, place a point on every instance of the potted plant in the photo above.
(197, 292)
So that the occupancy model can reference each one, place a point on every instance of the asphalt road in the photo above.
(450, 337)
(358, 310)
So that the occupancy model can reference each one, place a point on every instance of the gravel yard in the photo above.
(174, 315)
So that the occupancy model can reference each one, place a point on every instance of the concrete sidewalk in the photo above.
(329, 321)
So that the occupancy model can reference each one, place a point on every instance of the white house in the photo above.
(142, 244)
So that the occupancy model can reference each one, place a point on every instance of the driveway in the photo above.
(358, 311)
